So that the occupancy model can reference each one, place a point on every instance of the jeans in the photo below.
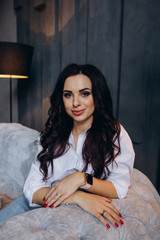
(18, 206)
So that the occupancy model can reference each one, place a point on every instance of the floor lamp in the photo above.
(15, 60)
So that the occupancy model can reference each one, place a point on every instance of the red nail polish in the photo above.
(116, 225)
(111, 200)
(107, 225)
(121, 222)
(52, 206)
(120, 215)
(45, 205)
(44, 199)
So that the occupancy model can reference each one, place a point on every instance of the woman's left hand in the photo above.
(100, 207)
(63, 189)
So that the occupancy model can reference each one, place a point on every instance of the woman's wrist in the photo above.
(77, 197)
(72, 199)
(81, 179)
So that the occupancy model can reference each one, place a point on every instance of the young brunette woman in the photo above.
(85, 156)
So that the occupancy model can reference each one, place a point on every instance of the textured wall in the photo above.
(122, 38)
(7, 34)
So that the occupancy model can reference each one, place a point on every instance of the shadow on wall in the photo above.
(60, 36)
(62, 33)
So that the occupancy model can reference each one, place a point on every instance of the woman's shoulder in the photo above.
(123, 132)
(124, 137)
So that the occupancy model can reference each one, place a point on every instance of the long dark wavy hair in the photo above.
(101, 145)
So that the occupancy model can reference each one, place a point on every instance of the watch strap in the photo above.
(88, 179)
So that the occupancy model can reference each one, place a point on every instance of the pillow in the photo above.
(17, 151)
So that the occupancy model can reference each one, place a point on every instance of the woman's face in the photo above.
(78, 99)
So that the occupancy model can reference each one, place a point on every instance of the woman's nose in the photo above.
(76, 102)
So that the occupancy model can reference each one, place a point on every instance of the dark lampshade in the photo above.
(15, 60)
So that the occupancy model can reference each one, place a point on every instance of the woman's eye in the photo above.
(67, 95)
(85, 94)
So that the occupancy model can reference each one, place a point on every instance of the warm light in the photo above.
(15, 60)
(12, 76)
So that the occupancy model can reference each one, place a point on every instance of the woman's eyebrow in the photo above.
(68, 91)
(84, 89)
(81, 90)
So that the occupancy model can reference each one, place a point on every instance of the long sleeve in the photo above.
(122, 167)
(34, 182)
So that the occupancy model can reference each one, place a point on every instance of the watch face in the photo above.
(90, 179)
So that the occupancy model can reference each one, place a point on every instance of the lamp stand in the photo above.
(10, 99)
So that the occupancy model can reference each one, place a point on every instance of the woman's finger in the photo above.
(52, 198)
(102, 220)
(59, 201)
(107, 199)
(109, 214)
(52, 190)
(110, 219)
(54, 202)
(109, 205)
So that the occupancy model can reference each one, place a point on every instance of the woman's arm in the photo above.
(98, 206)
(68, 185)
(103, 188)
(39, 195)
(34, 188)
(116, 185)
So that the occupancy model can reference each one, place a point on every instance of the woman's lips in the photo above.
(78, 112)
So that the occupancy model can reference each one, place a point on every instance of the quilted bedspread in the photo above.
(140, 211)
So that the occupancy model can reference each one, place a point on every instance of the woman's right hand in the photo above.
(98, 206)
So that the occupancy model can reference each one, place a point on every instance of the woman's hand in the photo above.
(98, 206)
(63, 189)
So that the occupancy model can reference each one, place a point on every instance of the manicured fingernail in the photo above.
(44, 199)
(107, 225)
(120, 215)
(116, 225)
(111, 200)
(52, 206)
(121, 222)
(45, 205)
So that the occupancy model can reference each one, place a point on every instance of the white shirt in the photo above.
(72, 161)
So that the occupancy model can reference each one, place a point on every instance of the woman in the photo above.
(85, 156)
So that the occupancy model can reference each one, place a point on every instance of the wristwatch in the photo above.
(88, 179)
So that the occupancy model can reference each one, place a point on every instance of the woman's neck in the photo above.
(79, 127)
(77, 130)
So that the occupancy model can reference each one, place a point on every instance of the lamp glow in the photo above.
(15, 60)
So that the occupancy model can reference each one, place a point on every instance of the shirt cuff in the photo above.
(121, 190)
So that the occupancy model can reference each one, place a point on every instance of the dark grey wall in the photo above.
(8, 33)
(122, 38)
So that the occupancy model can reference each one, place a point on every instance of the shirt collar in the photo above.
(71, 138)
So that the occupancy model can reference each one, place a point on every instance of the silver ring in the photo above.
(57, 196)
(66, 203)
(103, 213)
